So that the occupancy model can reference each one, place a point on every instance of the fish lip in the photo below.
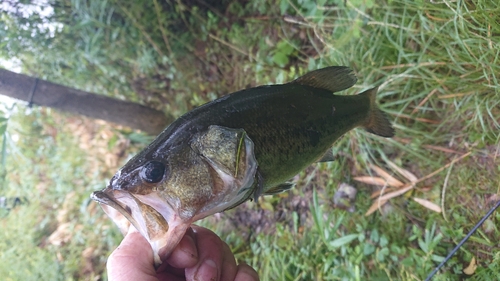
(107, 200)
(142, 216)
(103, 197)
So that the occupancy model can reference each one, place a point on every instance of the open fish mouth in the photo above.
(125, 209)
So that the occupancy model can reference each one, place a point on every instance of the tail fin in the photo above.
(377, 122)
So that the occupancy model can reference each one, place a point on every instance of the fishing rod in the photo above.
(429, 277)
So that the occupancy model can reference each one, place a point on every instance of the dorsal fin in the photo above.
(332, 78)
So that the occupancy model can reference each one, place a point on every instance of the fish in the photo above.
(233, 149)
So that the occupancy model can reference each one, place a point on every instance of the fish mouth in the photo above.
(126, 209)
(224, 157)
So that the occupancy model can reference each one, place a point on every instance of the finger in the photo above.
(185, 255)
(246, 273)
(228, 267)
(171, 274)
(132, 260)
(210, 256)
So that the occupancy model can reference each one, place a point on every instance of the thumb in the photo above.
(132, 260)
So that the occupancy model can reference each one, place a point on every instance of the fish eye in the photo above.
(152, 172)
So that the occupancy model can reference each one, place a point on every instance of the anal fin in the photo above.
(327, 157)
(279, 188)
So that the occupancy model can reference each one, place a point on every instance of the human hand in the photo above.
(201, 255)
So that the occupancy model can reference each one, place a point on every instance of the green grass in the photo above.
(437, 66)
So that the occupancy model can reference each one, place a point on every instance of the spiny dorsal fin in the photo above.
(332, 78)
(327, 157)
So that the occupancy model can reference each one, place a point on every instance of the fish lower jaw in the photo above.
(163, 229)
(164, 246)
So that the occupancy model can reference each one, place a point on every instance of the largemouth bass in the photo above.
(235, 148)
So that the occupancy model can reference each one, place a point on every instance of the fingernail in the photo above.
(246, 273)
(207, 271)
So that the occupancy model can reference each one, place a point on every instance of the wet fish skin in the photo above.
(289, 124)
(285, 127)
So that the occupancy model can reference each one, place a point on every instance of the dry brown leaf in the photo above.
(377, 193)
(405, 173)
(61, 235)
(371, 180)
(404, 188)
(87, 265)
(377, 204)
(391, 181)
(398, 192)
(428, 204)
(469, 270)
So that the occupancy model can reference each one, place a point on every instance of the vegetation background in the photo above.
(436, 63)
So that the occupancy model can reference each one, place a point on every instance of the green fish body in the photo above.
(234, 148)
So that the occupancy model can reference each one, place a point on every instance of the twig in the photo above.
(456, 95)
(162, 30)
(413, 64)
(390, 25)
(358, 10)
(230, 45)
(143, 31)
(424, 101)
(443, 194)
(290, 19)
(444, 167)
(440, 148)
(490, 42)
(432, 147)
(424, 120)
